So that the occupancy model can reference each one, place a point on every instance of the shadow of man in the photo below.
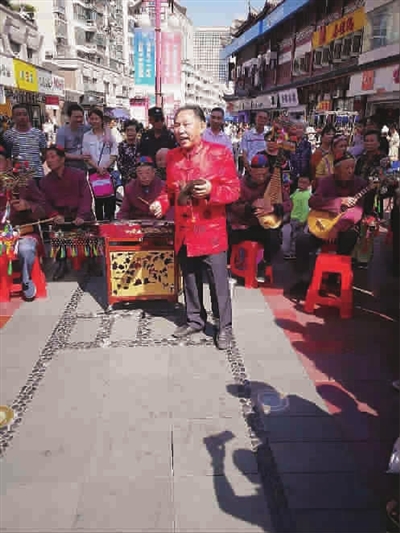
(305, 480)
(251, 509)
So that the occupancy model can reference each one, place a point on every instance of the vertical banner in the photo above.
(172, 56)
(144, 56)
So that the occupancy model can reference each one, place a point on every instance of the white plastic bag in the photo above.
(394, 461)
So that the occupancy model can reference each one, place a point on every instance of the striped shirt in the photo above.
(253, 142)
(27, 146)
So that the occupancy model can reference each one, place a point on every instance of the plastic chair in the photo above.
(10, 284)
(332, 264)
(244, 261)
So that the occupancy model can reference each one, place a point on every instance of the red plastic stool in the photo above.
(332, 264)
(244, 263)
(11, 284)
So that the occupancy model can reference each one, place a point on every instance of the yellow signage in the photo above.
(25, 76)
(352, 22)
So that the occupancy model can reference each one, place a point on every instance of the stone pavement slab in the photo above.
(148, 434)
(221, 503)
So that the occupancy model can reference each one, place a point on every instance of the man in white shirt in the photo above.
(214, 134)
(253, 141)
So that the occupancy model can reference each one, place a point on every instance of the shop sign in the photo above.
(7, 75)
(288, 98)
(352, 22)
(285, 58)
(52, 101)
(381, 80)
(266, 101)
(324, 105)
(45, 81)
(26, 76)
(368, 78)
(58, 85)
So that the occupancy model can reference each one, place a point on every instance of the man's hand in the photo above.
(85, 157)
(20, 205)
(58, 220)
(155, 209)
(202, 189)
(261, 208)
(79, 221)
(333, 235)
(348, 201)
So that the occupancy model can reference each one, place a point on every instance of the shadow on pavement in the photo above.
(309, 482)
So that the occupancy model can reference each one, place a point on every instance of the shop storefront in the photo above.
(7, 83)
(381, 91)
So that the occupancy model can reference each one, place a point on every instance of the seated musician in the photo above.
(332, 193)
(27, 208)
(244, 225)
(141, 192)
(67, 195)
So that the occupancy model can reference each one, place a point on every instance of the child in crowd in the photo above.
(299, 213)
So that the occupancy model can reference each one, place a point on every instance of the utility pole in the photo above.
(157, 29)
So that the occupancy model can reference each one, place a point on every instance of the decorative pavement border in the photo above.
(58, 340)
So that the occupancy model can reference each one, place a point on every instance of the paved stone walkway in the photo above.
(120, 428)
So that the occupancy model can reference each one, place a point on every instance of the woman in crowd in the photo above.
(326, 167)
(327, 135)
(101, 147)
(128, 152)
(394, 143)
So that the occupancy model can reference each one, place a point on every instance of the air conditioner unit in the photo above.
(326, 56)
(317, 58)
(356, 44)
(296, 71)
(337, 52)
(346, 47)
(303, 65)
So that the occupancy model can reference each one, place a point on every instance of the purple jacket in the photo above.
(132, 208)
(69, 196)
(328, 197)
(238, 212)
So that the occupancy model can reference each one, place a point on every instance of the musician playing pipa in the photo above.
(336, 209)
(21, 203)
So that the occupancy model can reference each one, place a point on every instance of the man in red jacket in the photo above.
(201, 181)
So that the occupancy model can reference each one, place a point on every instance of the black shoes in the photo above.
(223, 339)
(185, 331)
(61, 270)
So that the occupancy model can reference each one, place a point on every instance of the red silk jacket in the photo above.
(201, 226)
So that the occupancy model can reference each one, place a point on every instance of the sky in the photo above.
(218, 12)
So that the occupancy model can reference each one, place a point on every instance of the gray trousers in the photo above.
(215, 267)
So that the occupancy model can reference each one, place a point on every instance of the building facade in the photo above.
(87, 41)
(301, 56)
(377, 84)
(23, 78)
(181, 82)
(208, 43)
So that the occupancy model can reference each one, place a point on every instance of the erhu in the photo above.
(273, 192)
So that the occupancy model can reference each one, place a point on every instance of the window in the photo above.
(30, 52)
(382, 28)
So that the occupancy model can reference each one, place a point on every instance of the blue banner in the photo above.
(144, 56)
